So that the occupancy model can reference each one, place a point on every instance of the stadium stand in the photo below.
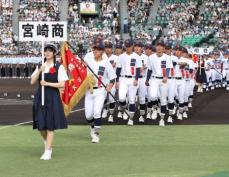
(188, 22)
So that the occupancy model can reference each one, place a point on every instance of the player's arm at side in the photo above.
(111, 76)
(118, 71)
(139, 65)
(149, 72)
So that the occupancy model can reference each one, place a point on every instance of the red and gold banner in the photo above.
(79, 80)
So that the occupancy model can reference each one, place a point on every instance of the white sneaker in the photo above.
(47, 155)
(154, 115)
(185, 115)
(190, 105)
(111, 118)
(212, 88)
(227, 88)
(92, 133)
(170, 119)
(104, 114)
(125, 116)
(141, 119)
(148, 116)
(130, 122)
(179, 117)
(95, 138)
(119, 114)
(223, 85)
(162, 123)
(207, 89)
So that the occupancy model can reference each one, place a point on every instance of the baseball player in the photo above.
(112, 59)
(128, 72)
(208, 71)
(179, 64)
(218, 64)
(149, 50)
(94, 101)
(142, 89)
(188, 73)
(159, 66)
(171, 83)
(192, 80)
(189, 86)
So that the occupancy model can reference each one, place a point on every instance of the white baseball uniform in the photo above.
(157, 89)
(142, 90)
(94, 101)
(128, 65)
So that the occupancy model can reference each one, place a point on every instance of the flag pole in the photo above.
(42, 88)
(115, 99)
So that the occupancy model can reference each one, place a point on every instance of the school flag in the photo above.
(80, 80)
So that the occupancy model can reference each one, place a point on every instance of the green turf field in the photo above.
(139, 151)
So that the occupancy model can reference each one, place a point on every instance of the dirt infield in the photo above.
(208, 108)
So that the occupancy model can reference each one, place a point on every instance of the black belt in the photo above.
(97, 87)
(157, 77)
(129, 76)
(178, 78)
(171, 77)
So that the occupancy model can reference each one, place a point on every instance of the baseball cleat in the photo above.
(179, 117)
(104, 114)
(141, 119)
(162, 123)
(111, 118)
(154, 115)
(130, 122)
(185, 115)
(125, 116)
(170, 119)
(119, 114)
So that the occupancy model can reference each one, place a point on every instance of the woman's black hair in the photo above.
(54, 56)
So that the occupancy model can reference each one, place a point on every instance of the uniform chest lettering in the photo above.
(163, 64)
(132, 62)
(101, 70)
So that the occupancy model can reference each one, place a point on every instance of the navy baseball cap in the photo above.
(168, 46)
(160, 43)
(138, 44)
(184, 50)
(129, 43)
(51, 46)
(108, 44)
(226, 52)
(99, 46)
(149, 46)
(119, 45)
(97, 39)
(178, 47)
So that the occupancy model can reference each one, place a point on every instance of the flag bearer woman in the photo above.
(49, 117)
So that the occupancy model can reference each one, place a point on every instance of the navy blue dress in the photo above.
(51, 115)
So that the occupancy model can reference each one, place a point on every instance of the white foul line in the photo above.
(15, 125)
(28, 122)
